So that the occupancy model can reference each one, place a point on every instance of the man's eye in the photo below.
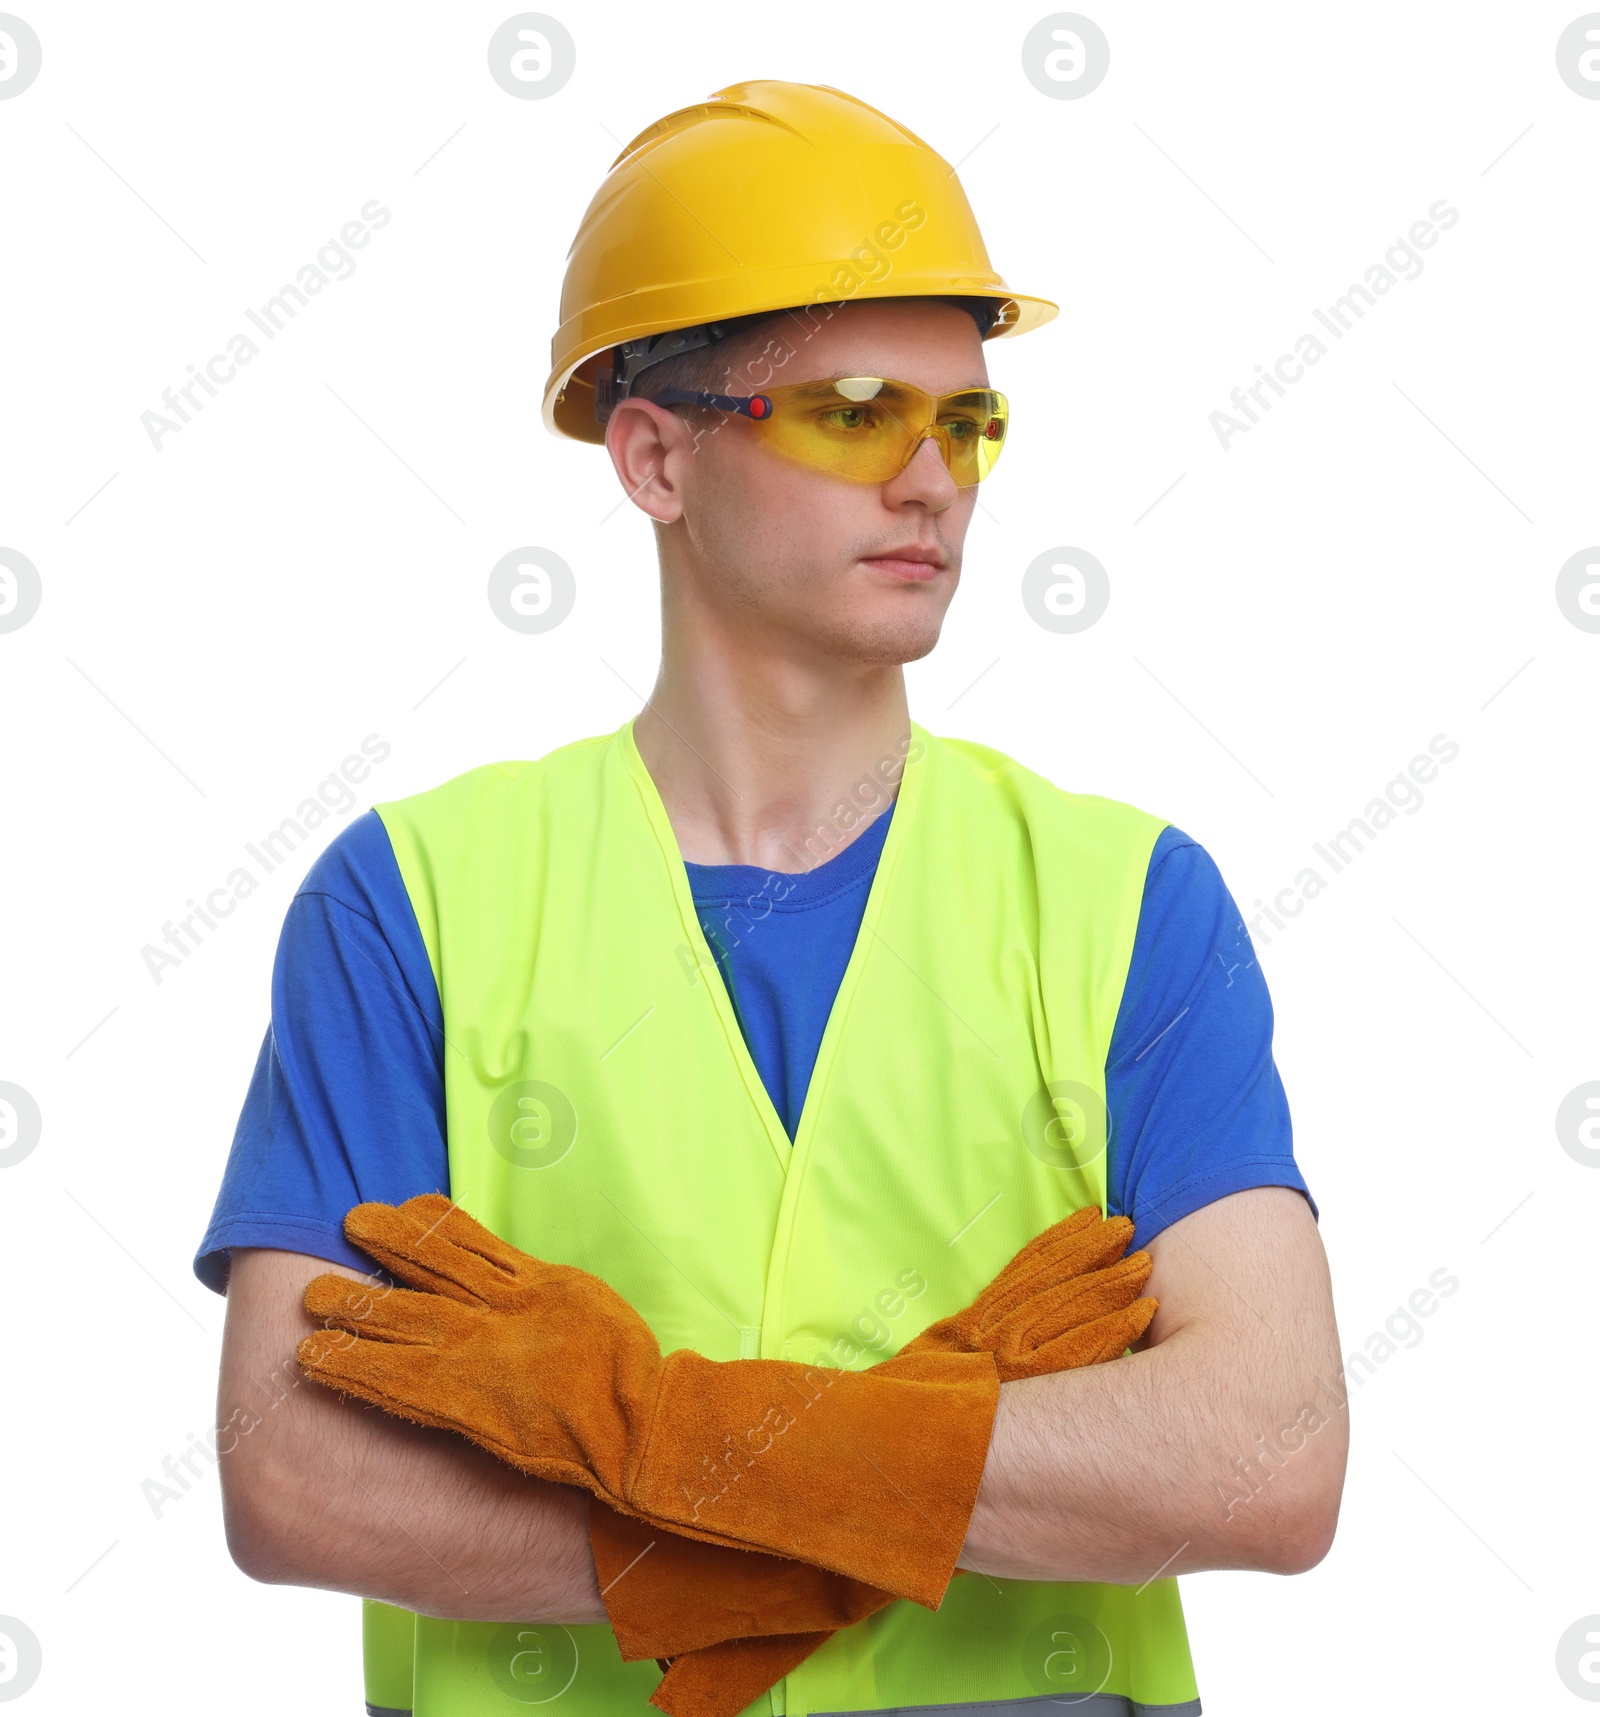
(847, 417)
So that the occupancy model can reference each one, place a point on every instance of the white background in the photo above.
(1373, 564)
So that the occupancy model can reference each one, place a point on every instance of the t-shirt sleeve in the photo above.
(347, 1100)
(1197, 1110)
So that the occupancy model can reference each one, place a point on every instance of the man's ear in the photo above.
(647, 444)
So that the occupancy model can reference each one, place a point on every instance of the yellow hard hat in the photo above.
(766, 196)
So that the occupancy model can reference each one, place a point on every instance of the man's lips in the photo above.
(913, 564)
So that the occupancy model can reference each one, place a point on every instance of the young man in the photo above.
(785, 1018)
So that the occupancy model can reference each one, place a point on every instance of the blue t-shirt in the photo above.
(347, 1100)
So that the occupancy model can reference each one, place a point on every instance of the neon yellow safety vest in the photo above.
(604, 1111)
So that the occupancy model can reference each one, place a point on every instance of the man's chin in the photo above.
(886, 644)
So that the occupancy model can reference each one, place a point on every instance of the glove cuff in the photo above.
(872, 1474)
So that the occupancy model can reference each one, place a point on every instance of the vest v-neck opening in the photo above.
(791, 1155)
(791, 891)
(783, 941)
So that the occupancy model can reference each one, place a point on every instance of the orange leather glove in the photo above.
(550, 1369)
(1062, 1302)
(744, 1608)
(1065, 1300)
(1069, 1298)
(721, 1680)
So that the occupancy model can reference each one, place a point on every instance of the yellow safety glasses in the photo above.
(867, 428)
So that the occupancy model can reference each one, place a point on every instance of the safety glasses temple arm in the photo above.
(757, 406)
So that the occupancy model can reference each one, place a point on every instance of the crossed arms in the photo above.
(1218, 1443)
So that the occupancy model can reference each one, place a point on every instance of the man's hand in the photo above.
(549, 1368)
(323, 1492)
(1064, 1301)
(1067, 1299)
(1219, 1443)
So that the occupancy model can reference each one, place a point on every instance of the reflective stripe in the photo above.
(1095, 1705)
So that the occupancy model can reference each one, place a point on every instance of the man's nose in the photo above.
(926, 474)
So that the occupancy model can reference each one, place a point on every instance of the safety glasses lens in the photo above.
(868, 427)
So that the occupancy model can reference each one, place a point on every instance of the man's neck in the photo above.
(774, 765)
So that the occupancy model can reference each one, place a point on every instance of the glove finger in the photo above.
(384, 1314)
(433, 1243)
(1105, 1338)
(1059, 1291)
(412, 1380)
(1051, 1254)
(397, 1376)
(1047, 1242)
(1071, 1304)
(1050, 1263)
(408, 1382)
(423, 1383)
(1079, 1252)
(1082, 1298)
(1075, 1257)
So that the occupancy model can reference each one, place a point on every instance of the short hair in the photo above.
(714, 368)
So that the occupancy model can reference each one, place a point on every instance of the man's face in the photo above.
(794, 559)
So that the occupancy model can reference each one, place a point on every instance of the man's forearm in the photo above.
(319, 1491)
(1123, 1470)
(1220, 1444)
